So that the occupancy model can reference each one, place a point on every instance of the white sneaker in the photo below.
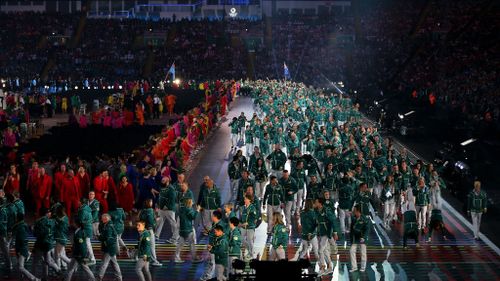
(178, 261)
(362, 270)
(353, 270)
(156, 263)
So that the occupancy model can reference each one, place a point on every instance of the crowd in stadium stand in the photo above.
(397, 48)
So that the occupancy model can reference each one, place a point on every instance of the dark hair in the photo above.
(59, 210)
(234, 221)
(219, 228)
(217, 214)
(357, 208)
(308, 205)
(321, 201)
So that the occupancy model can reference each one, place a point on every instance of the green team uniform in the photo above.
(148, 216)
(95, 207)
(280, 237)
(421, 196)
(249, 216)
(144, 246)
(108, 238)
(477, 202)
(20, 234)
(209, 198)
(168, 198)
(186, 217)
(346, 197)
(234, 246)
(363, 200)
(327, 222)
(84, 216)
(410, 226)
(360, 228)
(309, 224)
(220, 250)
(289, 185)
(79, 246)
(61, 230)
(274, 195)
(118, 218)
(278, 160)
(44, 234)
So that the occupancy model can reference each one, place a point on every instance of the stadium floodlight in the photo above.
(76, 87)
(109, 87)
(401, 116)
(120, 87)
(177, 81)
(409, 113)
(467, 142)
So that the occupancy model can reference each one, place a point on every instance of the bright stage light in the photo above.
(467, 142)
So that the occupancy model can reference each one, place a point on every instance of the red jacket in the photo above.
(84, 182)
(126, 197)
(43, 187)
(70, 189)
(58, 182)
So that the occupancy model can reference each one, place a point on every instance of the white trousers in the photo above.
(90, 251)
(277, 254)
(73, 266)
(142, 270)
(4, 247)
(476, 222)
(343, 216)
(352, 252)
(169, 216)
(60, 255)
(325, 251)
(299, 198)
(421, 216)
(106, 259)
(305, 248)
(260, 189)
(234, 190)
(270, 211)
(206, 219)
(153, 245)
(288, 213)
(24, 272)
(248, 236)
(47, 261)
(389, 211)
(190, 241)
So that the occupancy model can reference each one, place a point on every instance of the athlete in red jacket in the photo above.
(41, 190)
